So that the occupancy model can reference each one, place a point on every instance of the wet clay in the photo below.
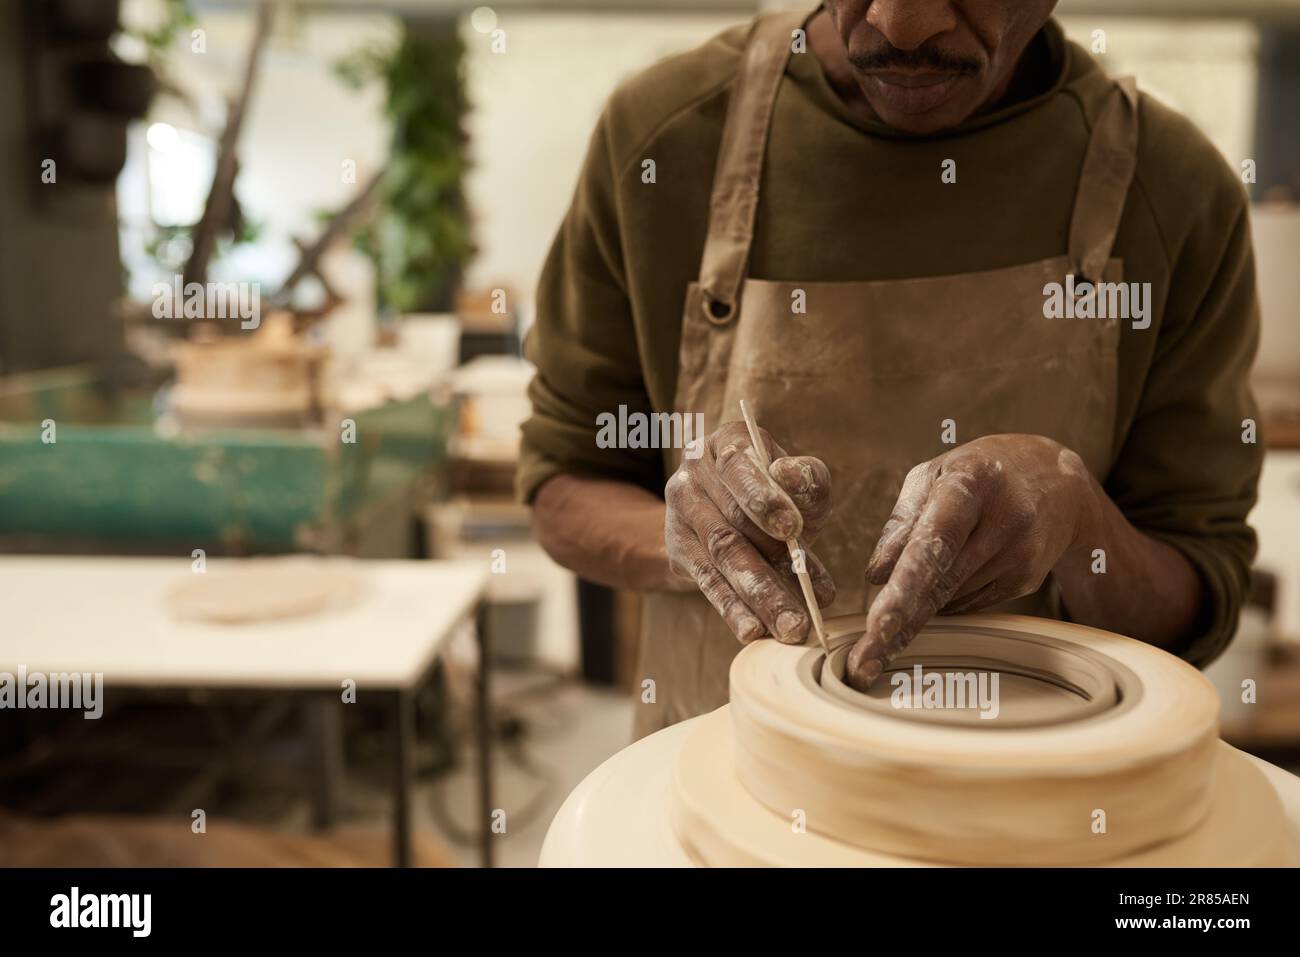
(1124, 768)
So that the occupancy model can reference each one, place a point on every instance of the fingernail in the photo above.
(790, 476)
(749, 629)
(787, 624)
(870, 671)
(784, 523)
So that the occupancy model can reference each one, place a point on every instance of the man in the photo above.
(1003, 304)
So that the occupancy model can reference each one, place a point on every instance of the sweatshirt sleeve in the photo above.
(583, 343)
(1188, 469)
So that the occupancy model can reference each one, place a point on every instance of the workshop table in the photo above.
(108, 615)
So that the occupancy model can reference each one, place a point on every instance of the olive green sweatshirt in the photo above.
(843, 199)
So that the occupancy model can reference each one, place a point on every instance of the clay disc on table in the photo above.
(265, 590)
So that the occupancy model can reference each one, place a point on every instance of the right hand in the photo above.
(726, 527)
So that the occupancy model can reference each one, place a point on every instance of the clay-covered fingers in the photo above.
(898, 528)
(974, 527)
(1009, 569)
(690, 560)
(822, 584)
(738, 579)
(751, 486)
(808, 480)
(792, 499)
(932, 563)
(727, 523)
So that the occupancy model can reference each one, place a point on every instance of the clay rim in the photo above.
(1104, 686)
(1181, 717)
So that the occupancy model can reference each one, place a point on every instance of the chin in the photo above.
(920, 123)
(907, 111)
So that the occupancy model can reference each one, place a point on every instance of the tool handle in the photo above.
(755, 439)
(797, 553)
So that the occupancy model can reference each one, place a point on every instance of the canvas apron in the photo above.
(868, 376)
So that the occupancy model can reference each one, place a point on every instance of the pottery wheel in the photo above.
(1103, 750)
(1244, 826)
(265, 590)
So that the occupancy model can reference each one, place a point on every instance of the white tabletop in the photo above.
(108, 615)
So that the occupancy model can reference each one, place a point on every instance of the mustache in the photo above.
(921, 58)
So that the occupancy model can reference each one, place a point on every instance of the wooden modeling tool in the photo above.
(798, 557)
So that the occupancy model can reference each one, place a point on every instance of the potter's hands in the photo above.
(981, 524)
(726, 527)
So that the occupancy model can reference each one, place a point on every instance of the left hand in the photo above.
(976, 526)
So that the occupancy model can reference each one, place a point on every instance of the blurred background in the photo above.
(385, 176)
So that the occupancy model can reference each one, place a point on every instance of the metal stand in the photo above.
(323, 720)
(403, 768)
(403, 704)
(483, 713)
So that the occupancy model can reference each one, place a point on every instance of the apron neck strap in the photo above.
(1104, 183)
(734, 202)
(1099, 201)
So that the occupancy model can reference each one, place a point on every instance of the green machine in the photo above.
(85, 470)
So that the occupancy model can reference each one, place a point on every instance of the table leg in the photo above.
(324, 720)
(483, 712)
(403, 703)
